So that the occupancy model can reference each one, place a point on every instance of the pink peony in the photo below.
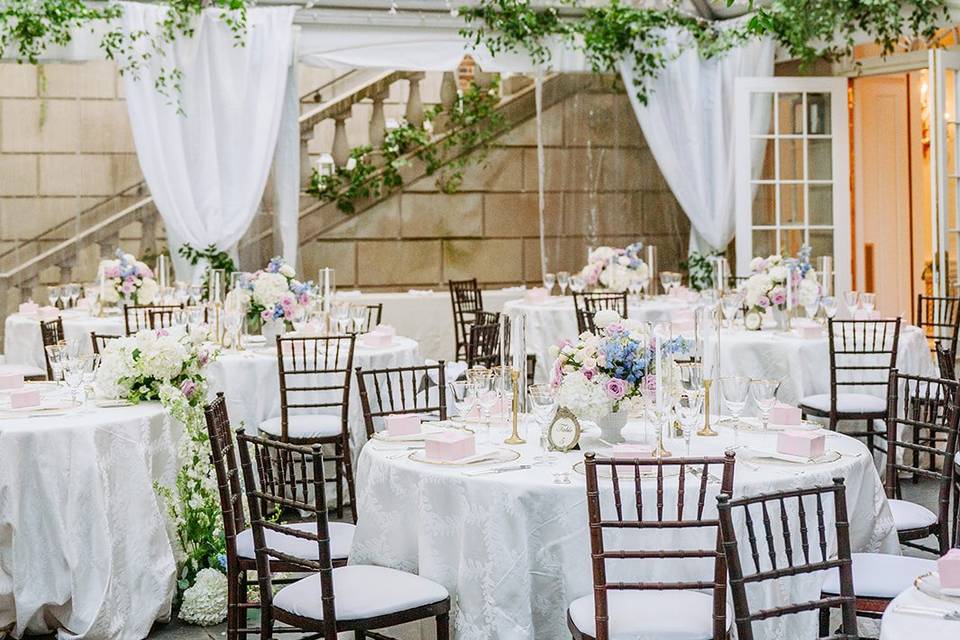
(616, 388)
(616, 327)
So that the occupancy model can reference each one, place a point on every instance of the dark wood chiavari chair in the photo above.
(629, 609)
(862, 354)
(467, 299)
(374, 317)
(929, 404)
(483, 341)
(939, 317)
(51, 333)
(315, 375)
(137, 317)
(100, 340)
(332, 599)
(777, 556)
(241, 556)
(947, 366)
(587, 304)
(397, 390)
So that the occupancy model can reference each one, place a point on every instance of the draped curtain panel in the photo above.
(207, 166)
(688, 125)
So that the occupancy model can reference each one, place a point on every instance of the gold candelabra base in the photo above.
(515, 410)
(660, 451)
(707, 429)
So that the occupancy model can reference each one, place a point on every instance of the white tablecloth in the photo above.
(22, 343)
(803, 364)
(904, 626)
(83, 539)
(427, 316)
(250, 382)
(550, 322)
(513, 548)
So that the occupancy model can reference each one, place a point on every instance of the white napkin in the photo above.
(452, 371)
(786, 457)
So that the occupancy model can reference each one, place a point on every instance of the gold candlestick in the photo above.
(515, 409)
(707, 430)
(218, 335)
(660, 451)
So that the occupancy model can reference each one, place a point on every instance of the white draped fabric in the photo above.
(286, 172)
(207, 167)
(688, 125)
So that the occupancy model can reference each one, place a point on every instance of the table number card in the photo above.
(563, 434)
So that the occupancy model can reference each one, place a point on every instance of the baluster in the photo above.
(414, 111)
(109, 246)
(660, 493)
(784, 522)
(378, 124)
(341, 147)
(448, 98)
(306, 170)
(680, 490)
(638, 491)
(752, 538)
(821, 527)
(66, 269)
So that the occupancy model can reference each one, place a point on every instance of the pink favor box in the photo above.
(374, 339)
(402, 424)
(385, 330)
(949, 569)
(449, 446)
(784, 414)
(804, 444)
(29, 307)
(24, 398)
(11, 380)
(631, 450)
(536, 295)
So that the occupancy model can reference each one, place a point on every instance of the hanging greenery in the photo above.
(29, 27)
(609, 34)
(473, 122)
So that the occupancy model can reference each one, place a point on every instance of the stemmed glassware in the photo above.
(464, 398)
(543, 404)
(731, 304)
(563, 279)
(669, 280)
(91, 362)
(72, 370)
(690, 402)
(868, 301)
(852, 301)
(549, 279)
(764, 391)
(71, 292)
(53, 295)
(341, 314)
(358, 315)
(488, 398)
(812, 308)
(195, 291)
(829, 304)
(734, 390)
(577, 284)
(56, 355)
(91, 293)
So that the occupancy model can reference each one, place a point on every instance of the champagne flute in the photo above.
(549, 279)
(691, 398)
(563, 279)
(764, 391)
(543, 404)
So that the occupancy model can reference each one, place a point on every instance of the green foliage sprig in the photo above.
(699, 269)
(473, 124)
(215, 259)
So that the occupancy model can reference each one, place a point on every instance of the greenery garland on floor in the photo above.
(609, 34)
(472, 124)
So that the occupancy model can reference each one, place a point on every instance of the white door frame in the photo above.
(942, 222)
(840, 146)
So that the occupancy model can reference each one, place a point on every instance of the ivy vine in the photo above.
(473, 122)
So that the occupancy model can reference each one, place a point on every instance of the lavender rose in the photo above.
(615, 388)
(187, 388)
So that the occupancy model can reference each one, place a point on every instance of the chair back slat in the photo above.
(398, 390)
(939, 318)
(466, 299)
(100, 340)
(137, 317)
(315, 373)
(946, 361)
(588, 304)
(746, 508)
(623, 470)
(862, 353)
(483, 340)
(51, 333)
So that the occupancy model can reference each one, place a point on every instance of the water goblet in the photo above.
(72, 371)
(488, 398)
(764, 391)
(812, 308)
(689, 407)
(563, 279)
(56, 355)
(549, 279)
(577, 284)
(71, 292)
(731, 306)
(464, 398)
(852, 301)
(830, 306)
(868, 301)
(53, 295)
(90, 363)
(543, 403)
(734, 390)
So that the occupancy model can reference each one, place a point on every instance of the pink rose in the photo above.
(162, 332)
(128, 286)
(266, 315)
(187, 388)
(616, 388)
(650, 382)
(112, 272)
(589, 373)
(763, 302)
(557, 373)
(778, 296)
(616, 327)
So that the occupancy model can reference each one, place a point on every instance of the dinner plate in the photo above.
(754, 425)
(929, 583)
(486, 455)
(781, 459)
(426, 429)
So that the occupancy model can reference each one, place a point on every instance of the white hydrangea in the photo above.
(616, 277)
(287, 271)
(602, 254)
(161, 355)
(586, 399)
(270, 288)
(148, 292)
(110, 295)
(605, 317)
(116, 362)
(808, 292)
(205, 603)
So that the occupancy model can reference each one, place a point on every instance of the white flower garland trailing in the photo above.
(157, 366)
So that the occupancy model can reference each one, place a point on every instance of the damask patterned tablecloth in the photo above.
(513, 548)
(84, 545)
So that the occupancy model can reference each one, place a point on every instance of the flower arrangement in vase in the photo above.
(127, 279)
(601, 373)
(768, 286)
(616, 269)
(274, 293)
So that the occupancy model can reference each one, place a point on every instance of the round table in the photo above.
(250, 381)
(550, 322)
(84, 545)
(22, 343)
(803, 364)
(901, 626)
(513, 548)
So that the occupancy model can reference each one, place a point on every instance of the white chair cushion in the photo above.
(361, 592)
(847, 402)
(26, 370)
(660, 615)
(909, 515)
(304, 426)
(341, 539)
(878, 575)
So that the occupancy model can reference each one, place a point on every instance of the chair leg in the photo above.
(348, 472)
(443, 626)
(233, 610)
(824, 622)
(871, 425)
(243, 613)
(915, 454)
(338, 474)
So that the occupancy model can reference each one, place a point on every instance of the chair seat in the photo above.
(26, 370)
(664, 615)
(878, 575)
(305, 426)
(361, 592)
(910, 515)
(846, 403)
(341, 539)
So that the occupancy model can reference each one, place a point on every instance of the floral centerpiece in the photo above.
(155, 365)
(601, 373)
(274, 293)
(126, 278)
(616, 269)
(766, 288)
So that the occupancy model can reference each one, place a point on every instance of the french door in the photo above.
(791, 149)
(944, 73)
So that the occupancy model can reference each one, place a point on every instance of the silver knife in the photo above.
(516, 467)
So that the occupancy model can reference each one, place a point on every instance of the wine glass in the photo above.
(734, 390)
(868, 301)
(181, 293)
(464, 397)
(543, 403)
(56, 355)
(71, 292)
(341, 314)
(731, 306)
(232, 322)
(829, 304)
(577, 284)
(195, 291)
(563, 279)
(812, 308)
(90, 363)
(358, 315)
(549, 279)
(487, 397)
(72, 371)
(852, 300)
(53, 294)
(764, 391)
(91, 293)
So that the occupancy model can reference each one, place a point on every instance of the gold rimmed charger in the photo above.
(495, 455)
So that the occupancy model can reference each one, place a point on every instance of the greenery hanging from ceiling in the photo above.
(615, 32)
(28, 28)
